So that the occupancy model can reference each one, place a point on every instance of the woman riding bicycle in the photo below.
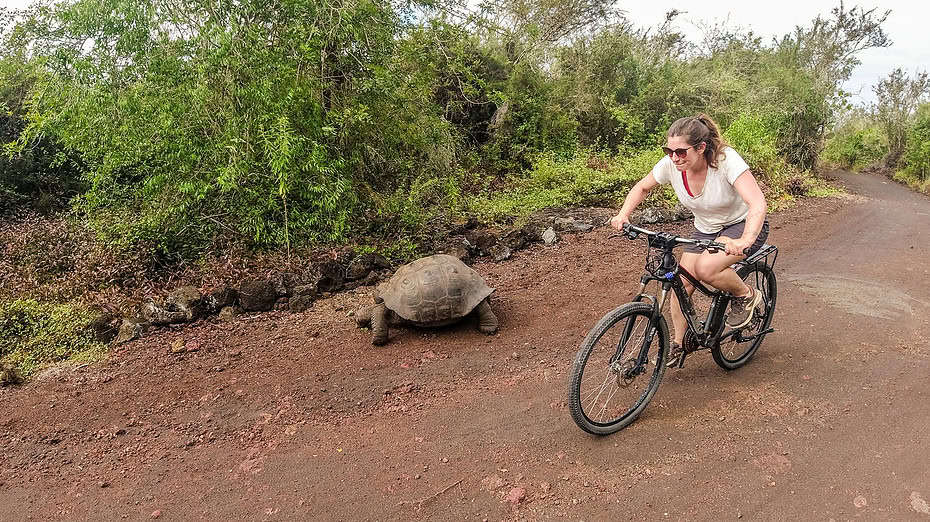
(715, 184)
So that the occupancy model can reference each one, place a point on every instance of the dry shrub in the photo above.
(55, 260)
(797, 184)
(52, 259)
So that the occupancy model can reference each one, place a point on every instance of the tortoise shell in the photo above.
(434, 290)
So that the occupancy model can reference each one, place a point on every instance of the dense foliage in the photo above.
(857, 142)
(916, 159)
(40, 175)
(893, 133)
(183, 126)
(899, 95)
(917, 153)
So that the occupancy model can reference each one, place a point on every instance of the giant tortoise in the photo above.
(431, 291)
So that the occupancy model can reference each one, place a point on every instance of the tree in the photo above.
(899, 96)
(828, 46)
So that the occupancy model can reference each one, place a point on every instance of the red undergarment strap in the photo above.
(684, 178)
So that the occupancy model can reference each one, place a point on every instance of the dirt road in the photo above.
(282, 417)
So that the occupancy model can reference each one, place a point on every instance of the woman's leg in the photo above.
(688, 261)
(714, 269)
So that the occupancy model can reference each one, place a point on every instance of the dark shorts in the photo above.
(734, 231)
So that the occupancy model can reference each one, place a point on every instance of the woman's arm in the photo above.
(636, 196)
(747, 187)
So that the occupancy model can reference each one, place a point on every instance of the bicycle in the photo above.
(615, 354)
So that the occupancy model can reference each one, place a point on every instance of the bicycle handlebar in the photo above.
(632, 232)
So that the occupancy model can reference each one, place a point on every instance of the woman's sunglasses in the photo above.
(681, 153)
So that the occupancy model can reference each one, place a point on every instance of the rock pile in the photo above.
(282, 291)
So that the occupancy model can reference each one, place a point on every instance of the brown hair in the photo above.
(701, 129)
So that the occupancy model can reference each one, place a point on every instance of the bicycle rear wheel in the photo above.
(612, 378)
(736, 348)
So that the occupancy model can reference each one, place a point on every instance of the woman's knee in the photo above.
(706, 268)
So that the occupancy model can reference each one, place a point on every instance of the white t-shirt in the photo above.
(718, 205)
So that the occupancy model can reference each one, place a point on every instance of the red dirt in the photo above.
(281, 416)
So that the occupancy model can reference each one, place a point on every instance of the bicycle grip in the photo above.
(715, 250)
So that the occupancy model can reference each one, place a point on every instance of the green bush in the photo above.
(917, 153)
(585, 179)
(34, 335)
(854, 148)
(43, 176)
(912, 181)
(756, 143)
(296, 122)
(234, 129)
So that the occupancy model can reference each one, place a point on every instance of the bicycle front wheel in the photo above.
(617, 369)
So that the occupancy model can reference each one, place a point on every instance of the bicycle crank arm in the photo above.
(740, 338)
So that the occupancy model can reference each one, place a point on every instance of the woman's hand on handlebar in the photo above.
(618, 221)
(735, 247)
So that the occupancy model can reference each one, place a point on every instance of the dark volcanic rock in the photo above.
(457, 248)
(363, 265)
(257, 296)
(223, 296)
(570, 224)
(188, 301)
(152, 312)
(228, 313)
(129, 331)
(305, 290)
(500, 252)
(105, 325)
(9, 376)
(328, 276)
(482, 239)
(300, 303)
(520, 238)
(284, 283)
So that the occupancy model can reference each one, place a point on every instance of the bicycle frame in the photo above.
(669, 274)
(706, 331)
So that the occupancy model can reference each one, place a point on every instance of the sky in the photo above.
(906, 26)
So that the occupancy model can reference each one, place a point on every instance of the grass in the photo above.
(912, 181)
(34, 335)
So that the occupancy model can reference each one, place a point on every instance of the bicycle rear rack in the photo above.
(767, 253)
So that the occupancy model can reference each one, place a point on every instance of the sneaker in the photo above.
(743, 308)
(674, 355)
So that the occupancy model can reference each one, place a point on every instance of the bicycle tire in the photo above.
(769, 288)
(625, 318)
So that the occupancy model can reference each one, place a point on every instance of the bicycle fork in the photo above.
(651, 328)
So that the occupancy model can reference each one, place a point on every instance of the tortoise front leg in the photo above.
(487, 321)
(379, 324)
(363, 316)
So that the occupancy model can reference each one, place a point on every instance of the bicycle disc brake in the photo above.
(626, 372)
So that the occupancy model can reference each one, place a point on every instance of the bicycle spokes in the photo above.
(617, 369)
(735, 345)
